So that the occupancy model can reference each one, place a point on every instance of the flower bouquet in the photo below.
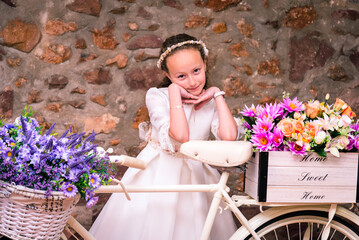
(292, 140)
(291, 125)
(42, 177)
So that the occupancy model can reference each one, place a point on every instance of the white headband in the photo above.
(170, 49)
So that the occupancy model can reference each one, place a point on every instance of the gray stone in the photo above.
(354, 58)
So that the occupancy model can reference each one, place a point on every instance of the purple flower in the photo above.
(43, 162)
(355, 127)
(351, 143)
(35, 158)
(356, 142)
(262, 141)
(91, 202)
(89, 194)
(94, 180)
(247, 125)
(69, 189)
(296, 149)
(292, 105)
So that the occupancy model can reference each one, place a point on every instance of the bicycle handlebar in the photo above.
(129, 161)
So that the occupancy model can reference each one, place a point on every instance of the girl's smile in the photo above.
(187, 69)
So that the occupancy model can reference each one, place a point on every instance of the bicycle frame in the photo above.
(224, 158)
(220, 191)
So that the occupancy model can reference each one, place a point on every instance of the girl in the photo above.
(184, 110)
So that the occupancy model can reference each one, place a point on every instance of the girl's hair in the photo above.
(172, 41)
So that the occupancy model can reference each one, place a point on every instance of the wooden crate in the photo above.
(281, 177)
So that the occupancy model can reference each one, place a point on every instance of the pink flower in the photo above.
(270, 111)
(262, 141)
(292, 105)
(263, 125)
(249, 112)
(277, 137)
(296, 148)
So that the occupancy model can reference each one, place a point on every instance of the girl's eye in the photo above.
(197, 70)
(180, 76)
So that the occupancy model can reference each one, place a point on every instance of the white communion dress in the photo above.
(166, 216)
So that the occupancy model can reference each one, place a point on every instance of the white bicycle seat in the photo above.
(218, 153)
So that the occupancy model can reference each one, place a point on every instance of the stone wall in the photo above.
(88, 63)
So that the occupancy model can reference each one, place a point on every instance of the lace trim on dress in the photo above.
(164, 139)
(240, 128)
(214, 129)
(163, 144)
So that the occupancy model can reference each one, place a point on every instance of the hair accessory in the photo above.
(170, 49)
(218, 94)
(176, 107)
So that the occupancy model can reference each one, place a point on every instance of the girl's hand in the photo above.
(186, 96)
(205, 97)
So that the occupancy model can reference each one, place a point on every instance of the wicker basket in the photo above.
(28, 214)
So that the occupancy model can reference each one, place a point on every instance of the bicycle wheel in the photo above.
(300, 225)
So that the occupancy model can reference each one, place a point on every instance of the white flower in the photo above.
(320, 137)
(341, 142)
(297, 115)
(344, 121)
(334, 151)
(327, 97)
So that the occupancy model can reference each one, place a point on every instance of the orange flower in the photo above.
(298, 126)
(312, 128)
(343, 108)
(313, 109)
(348, 111)
(286, 126)
(306, 138)
(339, 104)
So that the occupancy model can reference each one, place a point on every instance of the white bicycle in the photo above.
(287, 221)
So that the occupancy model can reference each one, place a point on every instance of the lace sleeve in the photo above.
(157, 103)
(166, 143)
(240, 129)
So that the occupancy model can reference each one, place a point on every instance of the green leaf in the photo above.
(321, 152)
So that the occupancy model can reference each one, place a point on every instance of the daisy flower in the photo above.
(69, 189)
(94, 180)
(91, 202)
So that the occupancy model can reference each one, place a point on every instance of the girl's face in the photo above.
(187, 69)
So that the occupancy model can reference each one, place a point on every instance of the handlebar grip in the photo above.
(129, 161)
